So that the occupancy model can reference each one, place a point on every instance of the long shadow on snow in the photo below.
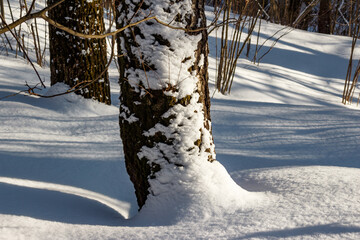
(283, 93)
(324, 65)
(107, 178)
(68, 206)
(260, 135)
(312, 61)
(55, 206)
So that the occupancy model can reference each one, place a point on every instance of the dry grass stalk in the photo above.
(232, 44)
(28, 34)
(352, 77)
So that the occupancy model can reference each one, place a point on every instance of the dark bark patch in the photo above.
(168, 10)
(185, 100)
(137, 32)
(161, 40)
(198, 142)
(185, 59)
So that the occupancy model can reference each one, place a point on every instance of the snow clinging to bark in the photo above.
(170, 52)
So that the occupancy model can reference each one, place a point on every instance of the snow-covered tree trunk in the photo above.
(165, 105)
(77, 61)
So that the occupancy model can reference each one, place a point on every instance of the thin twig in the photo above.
(41, 14)
(87, 82)
(30, 16)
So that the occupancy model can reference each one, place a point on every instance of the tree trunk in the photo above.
(274, 11)
(288, 11)
(77, 61)
(293, 10)
(324, 17)
(2, 13)
(165, 104)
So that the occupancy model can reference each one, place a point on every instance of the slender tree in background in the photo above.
(165, 105)
(2, 13)
(324, 18)
(233, 42)
(353, 70)
(76, 61)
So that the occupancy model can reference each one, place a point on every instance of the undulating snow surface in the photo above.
(282, 135)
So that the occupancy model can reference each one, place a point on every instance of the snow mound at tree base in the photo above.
(203, 191)
(75, 105)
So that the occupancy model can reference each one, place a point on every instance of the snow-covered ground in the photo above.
(283, 135)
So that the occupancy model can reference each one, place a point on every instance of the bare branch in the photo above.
(41, 14)
(86, 82)
(29, 16)
(99, 36)
(304, 13)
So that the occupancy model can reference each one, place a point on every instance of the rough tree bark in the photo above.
(75, 60)
(165, 103)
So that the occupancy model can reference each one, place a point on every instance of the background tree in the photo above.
(165, 105)
(324, 18)
(353, 70)
(76, 61)
(2, 13)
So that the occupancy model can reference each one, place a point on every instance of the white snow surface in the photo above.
(287, 151)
